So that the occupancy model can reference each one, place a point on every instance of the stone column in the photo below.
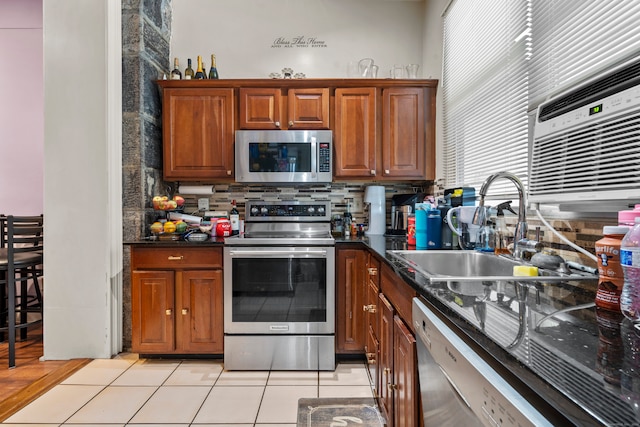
(146, 32)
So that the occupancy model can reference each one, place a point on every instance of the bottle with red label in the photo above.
(610, 271)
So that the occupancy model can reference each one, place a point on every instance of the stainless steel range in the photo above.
(279, 289)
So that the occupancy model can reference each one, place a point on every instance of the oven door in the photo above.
(279, 290)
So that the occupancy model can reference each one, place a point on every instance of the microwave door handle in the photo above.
(314, 157)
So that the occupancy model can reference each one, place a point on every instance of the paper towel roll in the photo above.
(196, 189)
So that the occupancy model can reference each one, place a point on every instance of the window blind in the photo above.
(486, 47)
(503, 58)
(575, 39)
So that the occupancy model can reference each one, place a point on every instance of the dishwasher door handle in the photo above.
(455, 388)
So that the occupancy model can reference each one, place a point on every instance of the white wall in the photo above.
(242, 34)
(21, 108)
(432, 61)
(82, 203)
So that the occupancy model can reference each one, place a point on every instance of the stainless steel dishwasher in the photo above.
(457, 387)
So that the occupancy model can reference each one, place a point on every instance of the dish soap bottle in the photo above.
(503, 236)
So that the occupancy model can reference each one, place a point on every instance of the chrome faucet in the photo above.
(520, 233)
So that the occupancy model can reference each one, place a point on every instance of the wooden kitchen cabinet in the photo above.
(385, 365)
(387, 133)
(350, 300)
(263, 108)
(405, 374)
(176, 300)
(403, 133)
(198, 133)
(397, 361)
(355, 133)
(372, 322)
(260, 108)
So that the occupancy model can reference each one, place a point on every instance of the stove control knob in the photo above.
(311, 209)
(254, 211)
(321, 210)
(264, 210)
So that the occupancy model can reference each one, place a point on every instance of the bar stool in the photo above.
(21, 260)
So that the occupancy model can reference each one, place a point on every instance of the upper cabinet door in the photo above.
(403, 133)
(198, 133)
(261, 108)
(308, 108)
(355, 132)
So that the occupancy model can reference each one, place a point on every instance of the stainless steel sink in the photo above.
(461, 266)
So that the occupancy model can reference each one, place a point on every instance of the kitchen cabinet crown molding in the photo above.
(297, 83)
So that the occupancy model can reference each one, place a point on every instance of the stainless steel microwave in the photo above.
(284, 156)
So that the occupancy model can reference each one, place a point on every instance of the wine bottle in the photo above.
(175, 73)
(199, 73)
(204, 70)
(234, 216)
(188, 72)
(213, 71)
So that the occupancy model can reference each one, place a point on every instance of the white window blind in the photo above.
(486, 46)
(575, 39)
(502, 58)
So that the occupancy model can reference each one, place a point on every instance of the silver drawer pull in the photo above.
(175, 258)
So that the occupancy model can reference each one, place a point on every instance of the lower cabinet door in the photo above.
(372, 352)
(200, 313)
(405, 400)
(385, 374)
(152, 311)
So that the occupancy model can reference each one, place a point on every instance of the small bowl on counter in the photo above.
(197, 237)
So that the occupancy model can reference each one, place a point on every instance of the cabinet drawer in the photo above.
(398, 292)
(169, 258)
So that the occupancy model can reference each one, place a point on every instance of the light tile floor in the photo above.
(149, 392)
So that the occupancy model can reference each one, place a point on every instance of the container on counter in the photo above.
(628, 217)
(223, 227)
(434, 229)
(421, 225)
(630, 261)
(610, 271)
(411, 230)
(446, 235)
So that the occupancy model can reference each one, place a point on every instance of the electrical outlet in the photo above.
(203, 204)
(356, 205)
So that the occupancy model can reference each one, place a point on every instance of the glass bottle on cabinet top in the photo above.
(199, 73)
(213, 71)
(175, 73)
(188, 72)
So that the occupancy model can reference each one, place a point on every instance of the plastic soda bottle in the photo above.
(630, 261)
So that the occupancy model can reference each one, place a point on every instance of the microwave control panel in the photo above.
(324, 157)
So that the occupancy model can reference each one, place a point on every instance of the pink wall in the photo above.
(21, 107)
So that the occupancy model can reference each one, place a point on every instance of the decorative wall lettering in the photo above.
(297, 42)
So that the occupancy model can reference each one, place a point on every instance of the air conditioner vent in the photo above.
(591, 151)
(603, 87)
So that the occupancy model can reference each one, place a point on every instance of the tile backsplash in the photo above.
(338, 193)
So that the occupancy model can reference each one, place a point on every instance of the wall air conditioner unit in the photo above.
(586, 144)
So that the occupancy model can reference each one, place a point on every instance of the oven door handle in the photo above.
(275, 252)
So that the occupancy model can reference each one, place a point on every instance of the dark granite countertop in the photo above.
(214, 241)
(582, 363)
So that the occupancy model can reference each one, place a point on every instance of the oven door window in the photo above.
(279, 290)
(279, 157)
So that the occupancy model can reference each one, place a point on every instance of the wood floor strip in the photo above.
(19, 400)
